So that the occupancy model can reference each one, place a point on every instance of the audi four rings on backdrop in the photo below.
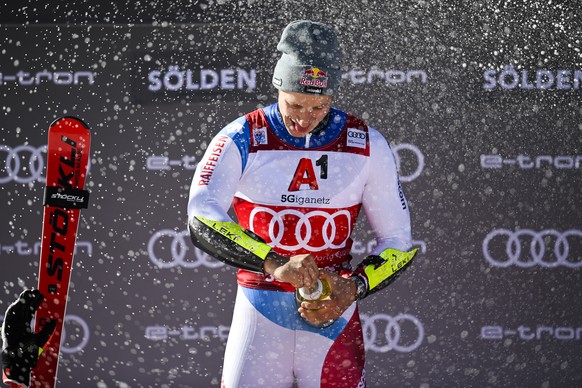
(21, 171)
(179, 246)
(383, 332)
(14, 167)
(514, 252)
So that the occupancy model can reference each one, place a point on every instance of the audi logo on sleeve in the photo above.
(22, 164)
(527, 248)
(356, 138)
(168, 248)
(402, 333)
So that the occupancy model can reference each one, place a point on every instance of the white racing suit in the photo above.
(299, 195)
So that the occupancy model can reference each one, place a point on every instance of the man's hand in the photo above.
(21, 345)
(323, 312)
(299, 270)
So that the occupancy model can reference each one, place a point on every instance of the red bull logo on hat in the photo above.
(314, 77)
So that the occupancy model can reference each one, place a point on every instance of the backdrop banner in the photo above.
(484, 121)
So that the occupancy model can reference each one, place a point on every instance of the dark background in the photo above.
(147, 309)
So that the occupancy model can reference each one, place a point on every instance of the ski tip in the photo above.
(69, 120)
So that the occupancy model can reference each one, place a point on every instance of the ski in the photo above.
(69, 141)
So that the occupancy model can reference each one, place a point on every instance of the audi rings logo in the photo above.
(403, 149)
(547, 248)
(75, 334)
(357, 135)
(315, 230)
(22, 164)
(382, 333)
(168, 248)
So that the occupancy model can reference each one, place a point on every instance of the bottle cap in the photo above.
(312, 293)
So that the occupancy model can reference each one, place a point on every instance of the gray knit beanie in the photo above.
(311, 59)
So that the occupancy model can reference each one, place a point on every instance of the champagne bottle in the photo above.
(318, 291)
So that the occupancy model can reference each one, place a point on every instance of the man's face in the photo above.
(302, 112)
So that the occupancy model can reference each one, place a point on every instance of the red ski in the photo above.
(67, 163)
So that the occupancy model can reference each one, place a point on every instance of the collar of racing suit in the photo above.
(318, 129)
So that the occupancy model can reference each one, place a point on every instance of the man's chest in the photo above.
(309, 178)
